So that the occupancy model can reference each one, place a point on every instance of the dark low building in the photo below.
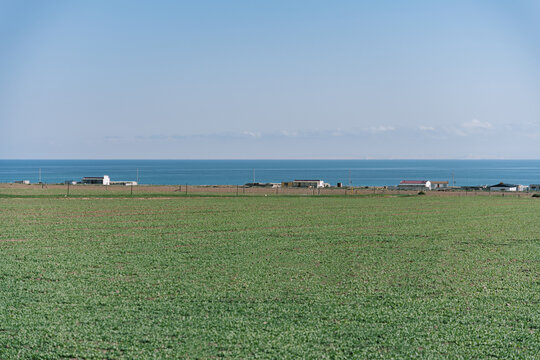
(96, 180)
(474, 188)
(504, 187)
(416, 185)
(258, 184)
(304, 184)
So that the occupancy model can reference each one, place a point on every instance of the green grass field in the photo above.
(270, 277)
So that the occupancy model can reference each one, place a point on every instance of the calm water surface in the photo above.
(210, 172)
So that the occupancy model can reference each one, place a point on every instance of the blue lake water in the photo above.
(234, 172)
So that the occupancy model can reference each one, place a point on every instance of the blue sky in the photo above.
(269, 79)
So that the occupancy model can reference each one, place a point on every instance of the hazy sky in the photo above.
(269, 79)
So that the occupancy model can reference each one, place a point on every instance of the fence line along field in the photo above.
(270, 277)
(49, 190)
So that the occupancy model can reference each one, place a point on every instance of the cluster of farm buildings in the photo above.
(91, 180)
(416, 185)
(105, 180)
(422, 185)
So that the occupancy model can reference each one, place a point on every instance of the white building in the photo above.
(97, 180)
(436, 185)
(419, 185)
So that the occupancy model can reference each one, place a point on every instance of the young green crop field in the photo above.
(270, 277)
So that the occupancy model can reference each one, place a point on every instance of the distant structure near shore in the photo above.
(265, 185)
(422, 185)
(305, 184)
(439, 185)
(419, 185)
(124, 182)
(96, 180)
(508, 187)
(106, 180)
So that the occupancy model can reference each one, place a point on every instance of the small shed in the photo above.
(436, 185)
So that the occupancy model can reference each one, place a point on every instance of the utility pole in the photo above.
(137, 175)
(350, 181)
(39, 177)
(253, 176)
(453, 180)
